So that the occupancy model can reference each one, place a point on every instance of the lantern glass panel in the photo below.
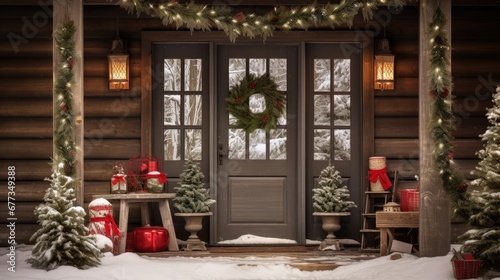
(118, 71)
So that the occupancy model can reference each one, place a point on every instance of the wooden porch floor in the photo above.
(306, 258)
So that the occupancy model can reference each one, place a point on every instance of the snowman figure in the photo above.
(103, 226)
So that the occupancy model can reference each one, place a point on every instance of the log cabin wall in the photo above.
(112, 118)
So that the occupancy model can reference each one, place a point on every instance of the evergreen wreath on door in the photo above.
(238, 103)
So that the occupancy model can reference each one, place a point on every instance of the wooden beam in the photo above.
(435, 220)
(74, 10)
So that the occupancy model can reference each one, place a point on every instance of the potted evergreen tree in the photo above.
(331, 202)
(193, 201)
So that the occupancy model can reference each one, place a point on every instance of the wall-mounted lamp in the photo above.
(118, 66)
(384, 67)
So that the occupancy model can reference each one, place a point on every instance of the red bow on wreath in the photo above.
(109, 224)
(381, 175)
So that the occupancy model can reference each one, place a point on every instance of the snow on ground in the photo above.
(129, 266)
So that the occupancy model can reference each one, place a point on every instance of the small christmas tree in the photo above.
(191, 194)
(331, 196)
(63, 238)
(483, 240)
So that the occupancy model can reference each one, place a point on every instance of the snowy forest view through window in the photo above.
(182, 114)
(332, 109)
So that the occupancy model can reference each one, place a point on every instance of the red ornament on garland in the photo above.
(445, 93)
(450, 156)
(252, 85)
(463, 187)
(278, 104)
(265, 118)
(239, 17)
(238, 99)
(63, 108)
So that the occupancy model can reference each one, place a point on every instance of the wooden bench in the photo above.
(144, 199)
(387, 222)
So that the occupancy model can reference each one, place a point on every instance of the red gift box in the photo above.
(150, 239)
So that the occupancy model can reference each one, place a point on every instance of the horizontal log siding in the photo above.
(112, 119)
(25, 115)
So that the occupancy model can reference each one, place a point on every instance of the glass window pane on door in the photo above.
(277, 72)
(172, 74)
(342, 110)
(172, 109)
(277, 144)
(282, 118)
(322, 108)
(257, 66)
(342, 75)
(192, 75)
(322, 75)
(342, 144)
(236, 146)
(192, 144)
(172, 144)
(322, 144)
(192, 109)
(237, 71)
(257, 144)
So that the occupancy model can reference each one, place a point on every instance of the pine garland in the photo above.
(238, 103)
(64, 120)
(442, 118)
(202, 17)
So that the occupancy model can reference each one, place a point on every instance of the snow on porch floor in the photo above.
(303, 257)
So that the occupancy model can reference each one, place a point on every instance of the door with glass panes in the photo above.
(180, 97)
(257, 172)
(333, 126)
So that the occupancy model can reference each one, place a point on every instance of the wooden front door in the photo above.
(257, 172)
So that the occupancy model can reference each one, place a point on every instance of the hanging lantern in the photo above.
(384, 67)
(118, 66)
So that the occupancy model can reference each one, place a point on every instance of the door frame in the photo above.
(301, 37)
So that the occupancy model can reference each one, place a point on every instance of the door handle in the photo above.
(220, 151)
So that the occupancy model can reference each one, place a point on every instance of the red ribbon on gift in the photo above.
(118, 178)
(109, 224)
(159, 175)
(381, 175)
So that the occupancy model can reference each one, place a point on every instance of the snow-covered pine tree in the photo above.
(62, 238)
(330, 195)
(191, 194)
(483, 240)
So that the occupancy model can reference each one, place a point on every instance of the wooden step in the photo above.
(369, 249)
(379, 193)
(369, 230)
(369, 215)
